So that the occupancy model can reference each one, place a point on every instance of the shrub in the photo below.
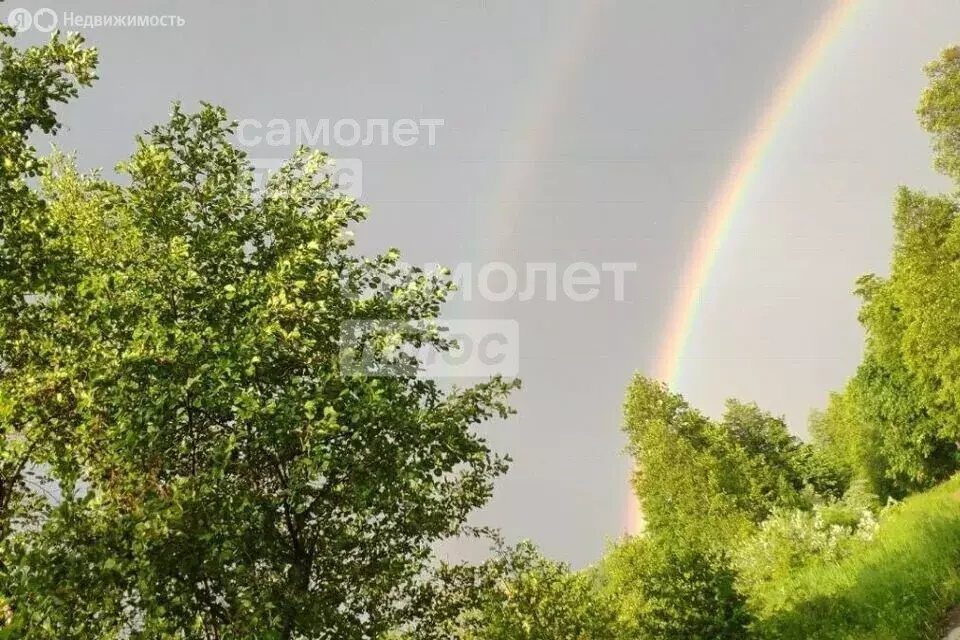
(670, 590)
(794, 538)
(898, 586)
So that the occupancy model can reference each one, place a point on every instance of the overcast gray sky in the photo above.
(577, 131)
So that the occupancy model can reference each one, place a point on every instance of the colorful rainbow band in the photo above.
(728, 201)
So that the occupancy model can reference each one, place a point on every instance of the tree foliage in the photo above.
(171, 350)
(33, 81)
(898, 422)
(669, 589)
(699, 479)
(847, 440)
(524, 596)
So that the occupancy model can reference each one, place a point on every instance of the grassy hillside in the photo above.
(897, 587)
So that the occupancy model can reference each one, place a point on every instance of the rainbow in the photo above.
(563, 62)
(729, 199)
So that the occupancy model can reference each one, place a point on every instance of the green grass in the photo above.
(897, 587)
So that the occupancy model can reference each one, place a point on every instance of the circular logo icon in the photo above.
(45, 20)
(20, 19)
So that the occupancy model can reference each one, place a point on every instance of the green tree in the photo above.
(783, 468)
(711, 481)
(520, 595)
(939, 111)
(175, 344)
(843, 438)
(682, 489)
(897, 424)
(901, 385)
(667, 589)
(33, 81)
